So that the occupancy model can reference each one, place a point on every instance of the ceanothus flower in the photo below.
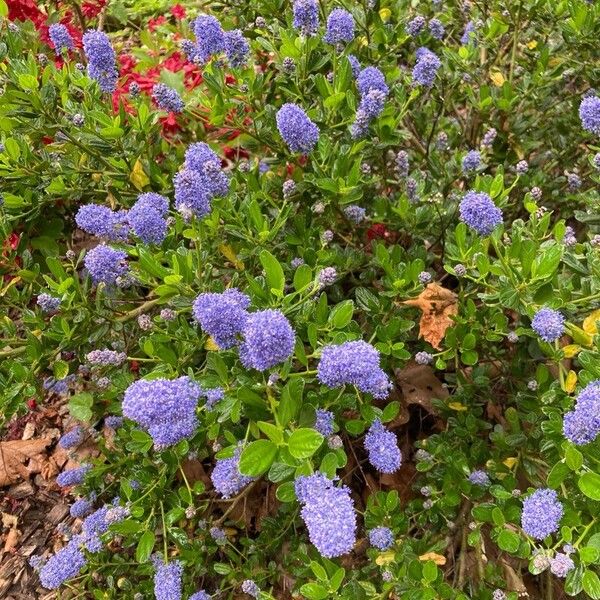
(200, 595)
(436, 28)
(210, 37)
(549, 324)
(479, 212)
(354, 65)
(340, 27)
(213, 396)
(354, 363)
(167, 98)
(415, 26)
(582, 425)
(71, 438)
(48, 303)
(102, 65)
(561, 564)
(306, 16)
(371, 78)
(327, 276)
(324, 422)
(236, 48)
(589, 113)
(105, 264)
(147, 217)
(381, 537)
(222, 316)
(480, 478)
(328, 514)
(167, 581)
(542, 512)
(468, 35)
(191, 194)
(200, 158)
(249, 587)
(471, 161)
(226, 477)
(81, 508)
(73, 476)
(106, 357)
(101, 221)
(382, 448)
(268, 340)
(296, 129)
(166, 408)
(63, 565)
(355, 213)
(60, 37)
(426, 68)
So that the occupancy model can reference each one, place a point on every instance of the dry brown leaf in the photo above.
(12, 537)
(438, 559)
(438, 305)
(420, 386)
(13, 456)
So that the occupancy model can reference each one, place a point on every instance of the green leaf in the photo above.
(574, 458)
(291, 401)
(285, 492)
(430, 571)
(145, 546)
(304, 442)
(80, 406)
(509, 541)
(222, 568)
(60, 369)
(341, 314)
(589, 484)
(302, 277)
(591, 584)
(314, 591)
(558, 474)
(271, 431)
(273, 271)
(257, 457)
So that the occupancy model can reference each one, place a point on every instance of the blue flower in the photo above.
(340, 27)
(166, 408)
(324, 422)
(542, 512)
(354, 65)
(549, 324)
(382, 448)
(64, 565)
(249, 587)
(296, 129)
(101, 221)
(589, 113)
(167, 581)
(480, 478)
(371, 78)
(73, 476)
(436, 28)
(226, 477)
(48, 303)
(479, 212)
(381, 537)
(222, 316)
(328, 514)
(102, 65)
(354, 363)
(167, 98)
(71, 438)
(306, 16)
(415, 26)
(468, 35)
(147, 217)
(81, 508)
(582, 425)
(561, 564)
(236, 48)
(60, 37)
(210, 37)
(192, 197)
(200, 595)
(200, 158)
(426, 67)
(268, 340)
(355, 213)
(471, 161)
(105, 264)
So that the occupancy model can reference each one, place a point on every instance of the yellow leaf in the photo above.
(385, 14)
(138, 176)
(229, 253)
(590, 322)
(571, 382)
(497, 78)
(12, 282)
(211, 345)
(385, 558)
(532, 44)
(362, 41)
(96, 177)
(510, 462)
(457, 406)
(579, 335)
(438, 559)
(571, 350)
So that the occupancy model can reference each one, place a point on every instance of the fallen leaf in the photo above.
(12, 537)
(438, 559)
(438, 305)
(420, 386)
(13, 456)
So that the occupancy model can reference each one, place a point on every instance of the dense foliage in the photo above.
(321, 281)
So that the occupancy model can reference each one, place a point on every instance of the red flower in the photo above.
(378, 231)
(154, 23)
(134, 366)
(31, 404)
(178, 11)
(25, 10)
(13, 240)
(92, 8)
(170, 126)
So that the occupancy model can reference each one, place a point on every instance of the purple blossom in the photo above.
(200, 158)
(371, 78)
(340, 27)
(436, 28)
(488, 138)
(589, 113)
(48, 303)
(468, 35)
(415, 26)
(522, 167)
(147, 217)
(296, 262)
(327, 276)
(480, 478)
(191, 194)
(561, 564)
(381, 537)
(306, 16)
(549, 324)
(167, 581)
(60, 37)
(213, 396)
(105, 264)
(210, 37)
(81, 508)
(268, 340)
(73, 476)
(166, 408)
(426, 68)
(324, 422)
(249, 587)
(354, 65)
(328, 514)
(222, 316)
(541, 514)
(479, 212)
(226, 477)
(402, 164)
(106, 357)
(236, 48)
(354, 363)
(582, 425)
(101, 221)
(200, 595)
(64, 565)
(471, 161)
(355, 213)
(296, 129)
(167, 98)
(72, 438)
(423, 358)
(382, 448)
(102, 66)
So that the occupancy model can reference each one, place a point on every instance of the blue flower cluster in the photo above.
(166, 408)
(81, 508)
(381, 537)
(328, 512)
(105, 264)
(382, 448)
(147, 217)
(471, 161)
(167, 98)
(102, 65)
(73, 476)
(340, 27)
(468, 35)
(200, 595)
(101, 221)
(306, 16)
(480, 478)
(373, 91)
(63, 565)
(542, 512)
(191, 195)
(355, 363)
(222, 316)
(60, 37)
(268, 339)
(589, 113)
(200, 158)
(479, 212)
(167, 581)
(324, 422)
(296, 129)
(415, 26)
(236, 48)
(426, 67)
(226, 476)
(71, 438)
(549, 324)
(437, 29)
(582, 425)
(249, 587)
(48, 303)
(106, 357)
(210, 37)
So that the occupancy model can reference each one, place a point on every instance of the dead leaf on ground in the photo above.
(194, 471)
(438, 559)
(14, 455)
(12, 537)
(438, 305)
(420, 386)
